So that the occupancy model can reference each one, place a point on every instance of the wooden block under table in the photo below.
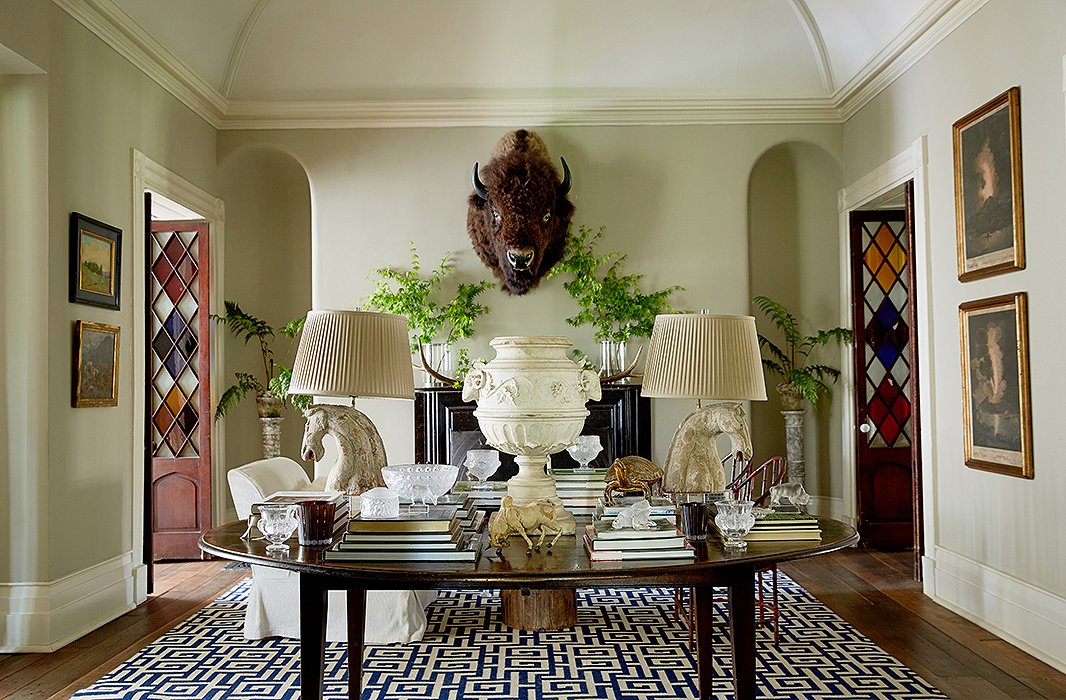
(539, 610)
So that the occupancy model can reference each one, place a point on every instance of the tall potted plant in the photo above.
(802, 380)
(435, 322)
(609, 299)
(271, 386)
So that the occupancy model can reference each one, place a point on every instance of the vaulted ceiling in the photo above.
(271, 63)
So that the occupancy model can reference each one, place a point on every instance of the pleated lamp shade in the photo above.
(704, 356)
(353, 353)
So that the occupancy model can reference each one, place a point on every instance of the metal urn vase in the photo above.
(531, 404)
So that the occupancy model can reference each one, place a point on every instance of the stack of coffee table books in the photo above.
(781, 526)
(664, 541)
(435, 533)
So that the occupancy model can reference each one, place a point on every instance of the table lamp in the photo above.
(704, 356)
(350, 354)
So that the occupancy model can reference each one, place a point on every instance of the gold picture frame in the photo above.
(989, 223)
(997, 422)
(95, 364)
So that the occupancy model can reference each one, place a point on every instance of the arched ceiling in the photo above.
(252, 61)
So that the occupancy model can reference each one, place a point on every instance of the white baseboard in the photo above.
(45, 616)
(1030, 618)
(828, 507)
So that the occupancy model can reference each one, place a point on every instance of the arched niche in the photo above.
(266, 268)
(794, 258)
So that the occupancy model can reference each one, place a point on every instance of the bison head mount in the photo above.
(518, 214)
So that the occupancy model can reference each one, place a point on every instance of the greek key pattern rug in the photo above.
(627, 647)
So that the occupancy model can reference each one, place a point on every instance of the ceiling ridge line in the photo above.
(910, 44)
(817, 42)
(239, 45)
(129, 39)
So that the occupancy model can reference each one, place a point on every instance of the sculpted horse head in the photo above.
(361, 453)
(692, 462)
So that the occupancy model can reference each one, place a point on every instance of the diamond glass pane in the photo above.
(174, 248)
(175, 346)
(886, 315)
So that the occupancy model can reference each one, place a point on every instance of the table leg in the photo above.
(703, 600)
(356, 625)
(313, 608)
(742, 633)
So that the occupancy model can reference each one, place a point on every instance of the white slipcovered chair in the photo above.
(274, 599)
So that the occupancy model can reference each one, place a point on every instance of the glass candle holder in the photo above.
(277, 522)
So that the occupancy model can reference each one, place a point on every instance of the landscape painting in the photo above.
(95, 364)
(95, 256)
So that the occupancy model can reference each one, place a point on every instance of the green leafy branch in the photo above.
(610, 300)
(790, 362)
(276, 377)
(409, 294)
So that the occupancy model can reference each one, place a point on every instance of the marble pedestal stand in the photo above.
(797, 466)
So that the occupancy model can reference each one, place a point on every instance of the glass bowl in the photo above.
(421, 482)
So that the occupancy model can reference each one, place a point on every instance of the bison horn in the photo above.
(567, 181)
(479, 186)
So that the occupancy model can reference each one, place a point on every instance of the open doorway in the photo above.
(885, 373)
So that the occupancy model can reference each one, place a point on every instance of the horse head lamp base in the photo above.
(361, 453)
(692, 463)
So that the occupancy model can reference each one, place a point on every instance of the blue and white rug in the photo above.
(627, 647)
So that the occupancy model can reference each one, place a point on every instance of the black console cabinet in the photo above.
(445, 428)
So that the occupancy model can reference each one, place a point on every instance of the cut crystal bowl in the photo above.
(424, 482)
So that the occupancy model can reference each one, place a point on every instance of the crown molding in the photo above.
(125, 35)
(917, 38)
(604, 111)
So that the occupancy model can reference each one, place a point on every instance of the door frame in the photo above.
(149, 175)
(911, 164)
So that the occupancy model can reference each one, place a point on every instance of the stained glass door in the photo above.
(179, 387)
(885, 379)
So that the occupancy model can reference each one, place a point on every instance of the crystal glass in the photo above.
(277, 522)
(584, 451)
(379, 503)
(425, 482)
(481, 464)
(734, 520)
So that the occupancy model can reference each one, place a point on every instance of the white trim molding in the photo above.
(829, 507)
(150, 175)
(107, 20)
(45, 616)
(911, 164)
(1028, 617)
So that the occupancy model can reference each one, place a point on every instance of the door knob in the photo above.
(867, 427)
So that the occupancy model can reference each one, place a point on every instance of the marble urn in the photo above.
(531, 404)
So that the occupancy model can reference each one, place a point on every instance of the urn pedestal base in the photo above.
(538, 610)
(531, 484)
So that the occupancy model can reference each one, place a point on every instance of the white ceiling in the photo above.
(256, 63)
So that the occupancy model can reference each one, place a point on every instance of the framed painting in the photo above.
(997, 422)
(95, 262)
(95, 364)
(989, 226)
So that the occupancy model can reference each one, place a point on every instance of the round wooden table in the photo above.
(566, 566)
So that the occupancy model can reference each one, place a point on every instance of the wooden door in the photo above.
(885, 352)
(179, 388)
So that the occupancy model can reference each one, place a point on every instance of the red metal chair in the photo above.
(748, 484)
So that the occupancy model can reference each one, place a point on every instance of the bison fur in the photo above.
(518, 214)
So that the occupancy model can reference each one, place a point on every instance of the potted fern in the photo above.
(434, 323)
(609, 299)
(802, 380)
(272, 385)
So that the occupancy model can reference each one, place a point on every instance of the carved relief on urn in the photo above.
(531, 403)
